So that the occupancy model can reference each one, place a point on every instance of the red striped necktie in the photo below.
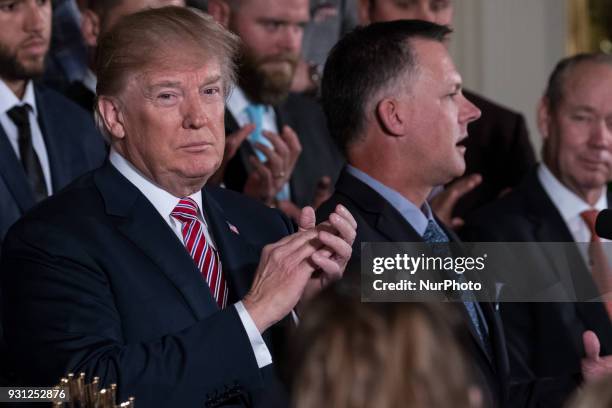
(203, 254)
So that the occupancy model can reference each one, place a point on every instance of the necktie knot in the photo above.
(590, 218)
(19, 115)
(433, 233)
(185, 210)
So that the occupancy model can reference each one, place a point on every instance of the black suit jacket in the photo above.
(546, 337)
(73, 144)
(378, 221)
(320, 156)
(498, 147)
(81, 95)
(97, 282)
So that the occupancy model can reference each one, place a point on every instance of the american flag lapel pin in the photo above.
(233, 228)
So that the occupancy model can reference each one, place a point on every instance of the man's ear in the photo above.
(364, 7)
(544, 117)
(90, 27)
(112, 117)
(220, 11)
(389, 117)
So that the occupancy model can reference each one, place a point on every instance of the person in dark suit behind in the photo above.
(97, 18)
(136, 273)
(499, 153)
(558, 202)
(45, 140)
(401, 126)
(288, 159)
(399, 115)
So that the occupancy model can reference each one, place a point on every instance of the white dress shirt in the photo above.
(237, 104)
(7, 101)
(90, 80)
(164, 203)
(570, 206)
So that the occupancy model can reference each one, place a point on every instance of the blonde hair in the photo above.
(357, 355)
(154, 37)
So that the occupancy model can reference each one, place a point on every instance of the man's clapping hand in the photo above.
(300, 265)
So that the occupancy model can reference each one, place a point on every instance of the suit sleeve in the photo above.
(61, 317)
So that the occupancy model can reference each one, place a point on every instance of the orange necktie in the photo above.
(600, 269)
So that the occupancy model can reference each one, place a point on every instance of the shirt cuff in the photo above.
(262, 354)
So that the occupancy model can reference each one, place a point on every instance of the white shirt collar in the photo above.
(8, 99)
(567, 202)
(163, 201)
(238, 102)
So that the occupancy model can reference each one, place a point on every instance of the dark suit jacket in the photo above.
(547, 337)
(320, 156)
(97, 282)
(498, 147)
(378, 221)
(73, 144)
(81, 95)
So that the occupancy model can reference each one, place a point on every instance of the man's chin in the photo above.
(23, 72)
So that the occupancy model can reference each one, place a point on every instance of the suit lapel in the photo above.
(550, 226)
(238, 259)
(388, 221)
(391, 224)
(490, 317)
(13, 174)
(52, 131)
(136, 218)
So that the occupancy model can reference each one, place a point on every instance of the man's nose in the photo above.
(34, 19)
(469, 111)
(194, 113)
(290, 38)
(601, 134)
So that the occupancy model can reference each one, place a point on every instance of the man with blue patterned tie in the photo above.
(288, 159)
(399, 114)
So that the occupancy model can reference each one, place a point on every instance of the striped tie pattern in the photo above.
(203, 254)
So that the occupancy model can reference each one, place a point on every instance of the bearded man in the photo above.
(289, 159)
(45, 140)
